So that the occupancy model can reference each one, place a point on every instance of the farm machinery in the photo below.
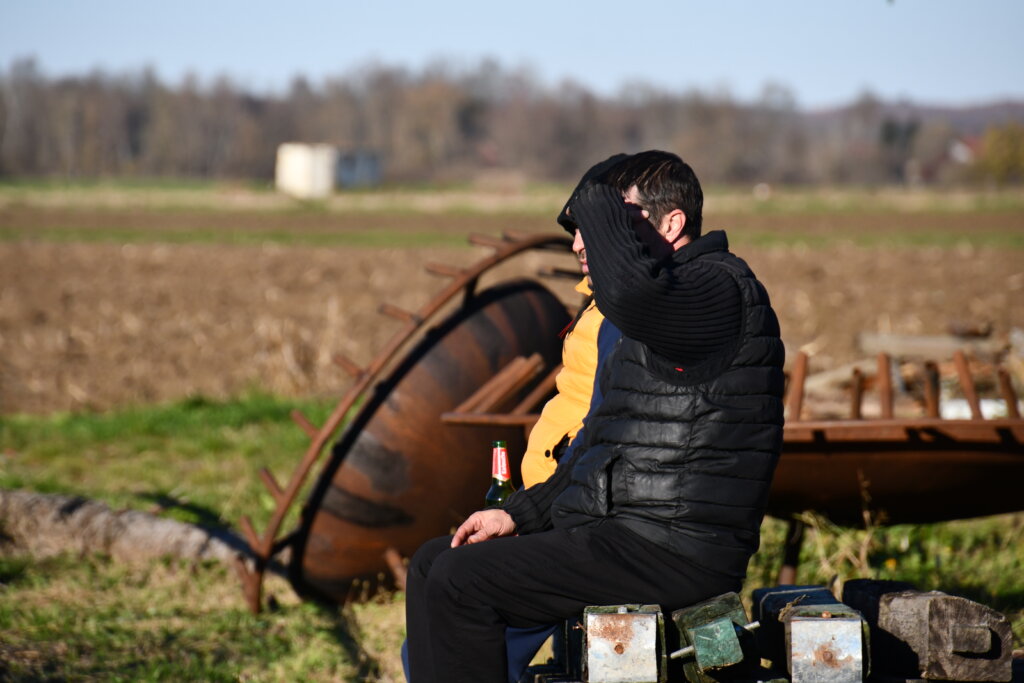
(407, 446)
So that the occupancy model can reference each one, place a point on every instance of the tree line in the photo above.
(446, 124)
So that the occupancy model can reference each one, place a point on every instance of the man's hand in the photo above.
(484, 525)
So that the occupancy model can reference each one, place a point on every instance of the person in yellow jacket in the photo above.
(563, 415)
(560, 420)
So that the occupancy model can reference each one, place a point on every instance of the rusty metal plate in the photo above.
(825, 650)
(623, 644)
(921, 479)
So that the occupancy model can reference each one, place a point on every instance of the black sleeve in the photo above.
(685, 310)
(530, 508)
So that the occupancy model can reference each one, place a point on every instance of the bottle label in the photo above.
(499, 463)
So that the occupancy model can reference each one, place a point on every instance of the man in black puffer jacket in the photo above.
(660, 497)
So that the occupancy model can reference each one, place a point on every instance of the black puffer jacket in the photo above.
(685, 457)
(683, 446)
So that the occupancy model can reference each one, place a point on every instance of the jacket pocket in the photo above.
(592, 476)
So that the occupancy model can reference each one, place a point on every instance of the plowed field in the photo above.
(102, 307)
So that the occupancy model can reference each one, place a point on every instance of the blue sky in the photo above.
(826, 51)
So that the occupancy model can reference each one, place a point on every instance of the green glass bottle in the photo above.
(501, 484)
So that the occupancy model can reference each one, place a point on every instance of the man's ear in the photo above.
(672, 225)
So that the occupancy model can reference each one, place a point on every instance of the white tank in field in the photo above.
(306, 171)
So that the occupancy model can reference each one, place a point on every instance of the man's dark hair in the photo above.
(664, 183)
(594, 174)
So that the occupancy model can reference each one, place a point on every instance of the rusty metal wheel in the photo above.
(398, 474)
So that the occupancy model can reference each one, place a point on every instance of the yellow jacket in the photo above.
(563, 414)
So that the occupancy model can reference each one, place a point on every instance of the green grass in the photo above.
(529, 198)
(374, 238)
(421, 216)
(896, 237)
(141, 183)
(173, 195)
(866, 200)
(71, 618)
(90, 618)
(979, 559)
(197, 460)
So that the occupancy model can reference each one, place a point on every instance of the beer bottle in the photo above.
(501, 485)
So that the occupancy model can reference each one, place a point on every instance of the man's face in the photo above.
(652, 235)
(581, 253)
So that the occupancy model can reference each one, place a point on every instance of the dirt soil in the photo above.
(91, 326)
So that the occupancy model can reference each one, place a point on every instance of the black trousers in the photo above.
(459, 601)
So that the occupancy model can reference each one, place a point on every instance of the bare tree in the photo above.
(449, 122)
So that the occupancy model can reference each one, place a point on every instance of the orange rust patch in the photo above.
(616, 628)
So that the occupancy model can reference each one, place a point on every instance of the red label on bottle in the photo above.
(499, 463)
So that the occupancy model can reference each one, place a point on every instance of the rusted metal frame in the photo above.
(520, 235)
(795, 528)
(396, 565)
(928, 346)
(285, 541)
(347, 364)
(263, 546)
(444, 270)
(489, 419)
(931, 389)
(996, 430)
(304, 423)
(795, 394)
(791, 551)
(963, 371)
(505, 383)
(1008, 394)
(495, 385)
(884, 377)
(856, 394)
(399, 314)
(476, 411)
(271, 483)
(545, 387)
(530, 368)
(489, 241)
(561, 273)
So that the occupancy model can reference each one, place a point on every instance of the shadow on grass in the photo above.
(185, 511)
(348, 634)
